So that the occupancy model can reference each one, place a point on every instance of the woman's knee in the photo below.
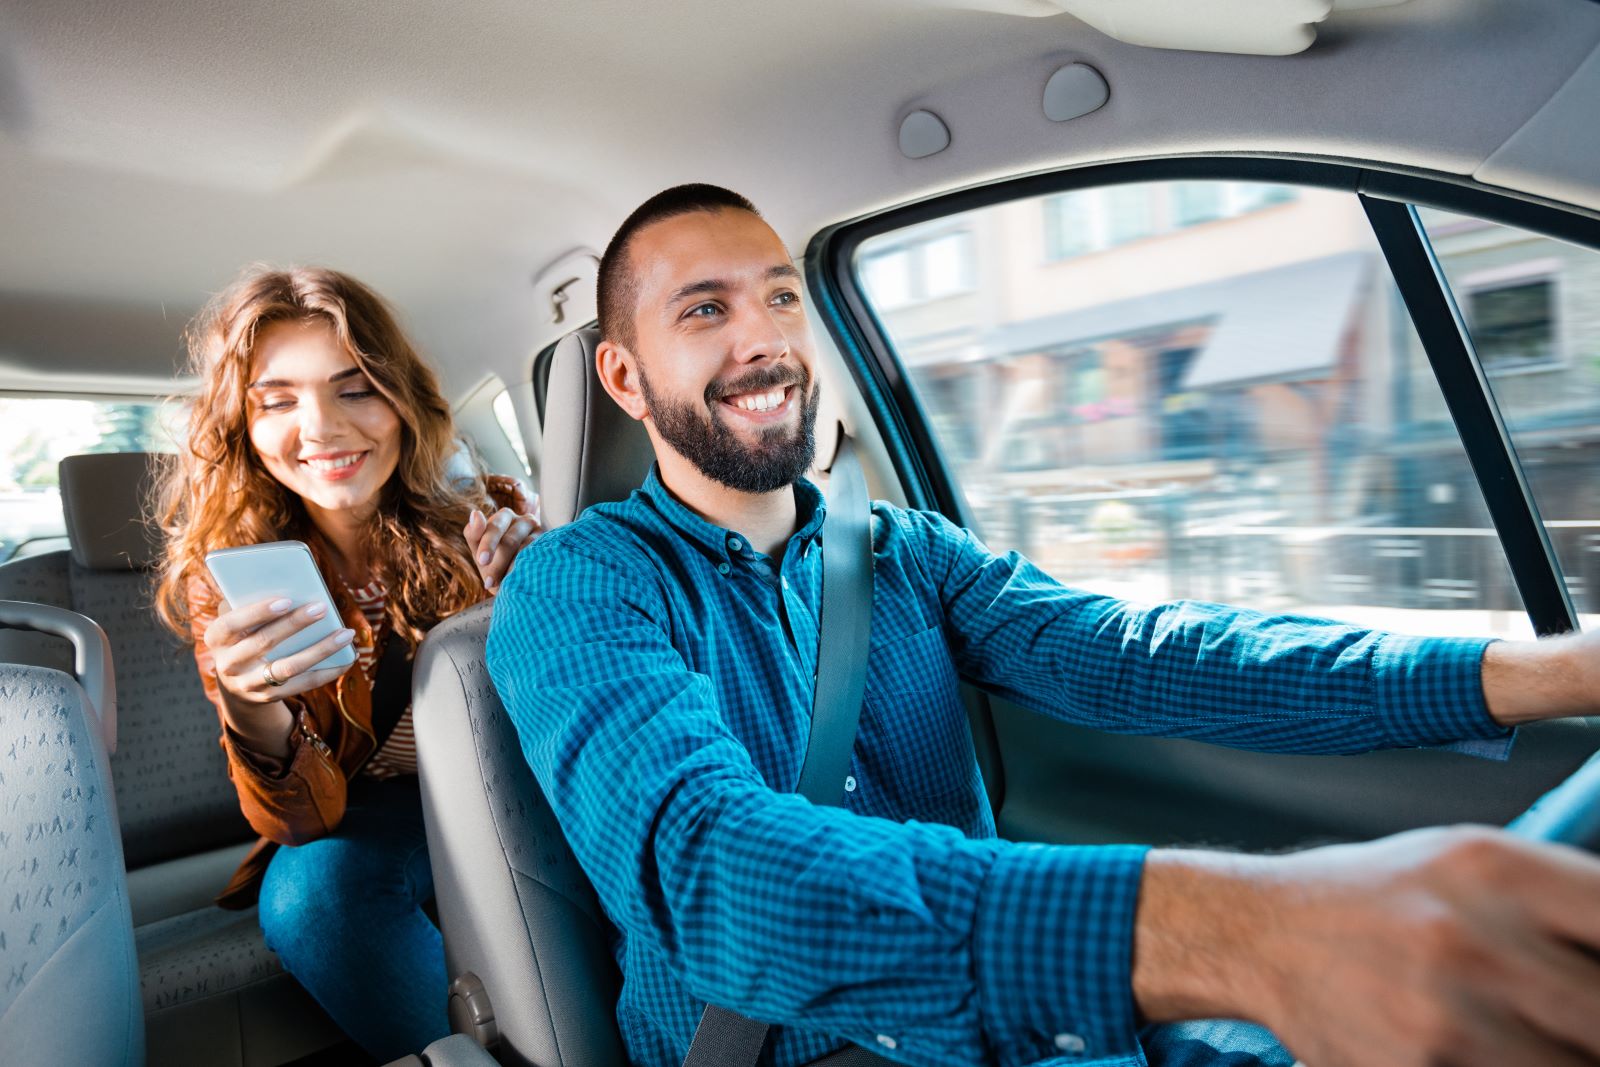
(311, 892)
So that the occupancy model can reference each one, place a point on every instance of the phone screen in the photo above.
(254, 573)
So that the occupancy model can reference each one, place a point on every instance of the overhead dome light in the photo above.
(1076, 89)
(922, 133)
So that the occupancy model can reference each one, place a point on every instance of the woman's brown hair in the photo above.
(217, 494)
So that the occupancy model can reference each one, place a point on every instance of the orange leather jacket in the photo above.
(303, 799)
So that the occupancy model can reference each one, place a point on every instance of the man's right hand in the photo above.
(1458, 946)
(239, 640)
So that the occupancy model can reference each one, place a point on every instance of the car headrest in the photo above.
(102, 496)
(593, 451)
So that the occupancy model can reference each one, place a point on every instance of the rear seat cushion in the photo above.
(172, 973)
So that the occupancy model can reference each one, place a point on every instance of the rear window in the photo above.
(36, 433)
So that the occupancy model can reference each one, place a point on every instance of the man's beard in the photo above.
(779, 457)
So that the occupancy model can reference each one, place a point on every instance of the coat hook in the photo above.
(558, 299)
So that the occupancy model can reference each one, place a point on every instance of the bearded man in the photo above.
(658, 658)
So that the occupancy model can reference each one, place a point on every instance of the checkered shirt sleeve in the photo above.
(928, 945)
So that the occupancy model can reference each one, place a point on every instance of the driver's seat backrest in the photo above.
(518, 915)
(592, 451)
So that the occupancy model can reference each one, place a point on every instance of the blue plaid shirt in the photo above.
(659, 672)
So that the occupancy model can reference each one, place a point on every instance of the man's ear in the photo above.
(620, 376)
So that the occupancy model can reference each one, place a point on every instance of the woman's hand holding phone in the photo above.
(240, 640)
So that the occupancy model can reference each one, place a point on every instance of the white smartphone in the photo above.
(253, 573)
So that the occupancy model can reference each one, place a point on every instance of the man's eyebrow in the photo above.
(283, 383)
(705, 285)
(718, 285)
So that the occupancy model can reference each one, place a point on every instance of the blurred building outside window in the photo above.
(923, 266)
(1532, 306)
(1239, 410)
(1092, 220)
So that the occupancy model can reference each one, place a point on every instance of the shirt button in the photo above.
(735, 544)
(850, 784)
(886, 1041)
(1071, 1043)
(723, 568)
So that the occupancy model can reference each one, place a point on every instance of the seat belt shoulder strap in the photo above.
(725, 1038)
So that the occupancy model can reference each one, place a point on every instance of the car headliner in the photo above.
(446, 153)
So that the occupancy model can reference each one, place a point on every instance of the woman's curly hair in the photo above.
(216, 493)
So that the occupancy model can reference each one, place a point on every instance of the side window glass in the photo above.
(505, 416)
(1203, 389)
(37, 433)
(1532, 307)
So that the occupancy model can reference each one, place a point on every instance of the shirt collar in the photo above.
(810, 510)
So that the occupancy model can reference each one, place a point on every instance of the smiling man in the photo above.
(658, 658)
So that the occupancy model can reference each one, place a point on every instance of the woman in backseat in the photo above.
(317, 421)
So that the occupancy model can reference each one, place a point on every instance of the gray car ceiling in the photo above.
(445, 153)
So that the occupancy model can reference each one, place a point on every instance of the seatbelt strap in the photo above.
(391, 688)
(725, 1038)
(844, 629)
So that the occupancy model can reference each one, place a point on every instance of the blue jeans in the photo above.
(344, 914)
(1212, 1043)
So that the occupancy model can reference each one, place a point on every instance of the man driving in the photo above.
(657, 657)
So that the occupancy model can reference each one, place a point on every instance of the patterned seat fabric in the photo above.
(206, 974)
(516, 910)
(170, 776)
(68, 993)
(173, 973)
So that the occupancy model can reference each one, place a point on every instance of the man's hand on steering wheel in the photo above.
(1463, 946)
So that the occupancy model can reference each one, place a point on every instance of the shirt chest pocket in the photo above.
(914, 742)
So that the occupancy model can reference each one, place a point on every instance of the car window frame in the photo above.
(1389, 196)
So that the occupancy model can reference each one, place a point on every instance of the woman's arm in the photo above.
(263, 729)
(290, 791)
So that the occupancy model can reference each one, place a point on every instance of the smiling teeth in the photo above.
(331, 464)
(760, 401)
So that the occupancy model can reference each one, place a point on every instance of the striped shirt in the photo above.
(399, 753)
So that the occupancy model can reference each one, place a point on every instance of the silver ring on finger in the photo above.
(267, 676)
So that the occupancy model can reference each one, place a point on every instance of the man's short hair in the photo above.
(617, 290)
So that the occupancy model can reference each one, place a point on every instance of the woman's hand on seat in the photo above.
(496, 539)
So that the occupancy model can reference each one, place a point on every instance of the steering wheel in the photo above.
(1569, 814)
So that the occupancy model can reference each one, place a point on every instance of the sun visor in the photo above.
(1242, 27)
